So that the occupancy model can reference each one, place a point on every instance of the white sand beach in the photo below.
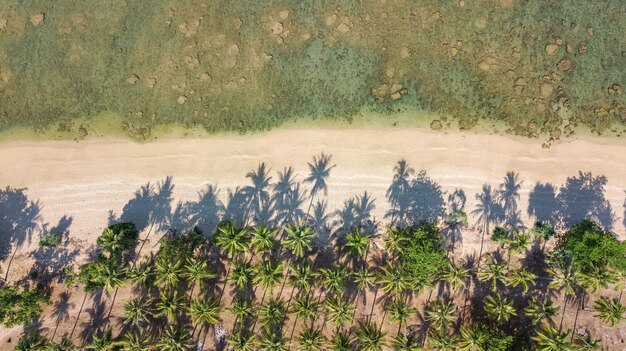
(85, 180)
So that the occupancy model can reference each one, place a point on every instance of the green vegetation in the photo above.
(536, 67)
(588, 247)
(50, 240)
(19, 306)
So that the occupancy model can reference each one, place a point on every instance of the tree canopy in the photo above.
(423, 254)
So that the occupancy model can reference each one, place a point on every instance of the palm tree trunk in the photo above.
(369, 320)
(224, 285)
(112, 303)
(482, 241)
(563, 315)
(382, 320)
(576, 319)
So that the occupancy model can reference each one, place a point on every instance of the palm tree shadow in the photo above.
(151, 206)
(235, 210)
(542, 203)
(257, 194)
(488, 211)
(205, 213)
(61, 310)
(19, 218)
(49, 261)
(319, 219)
(97, 314)
(288, 208)
(508, 197)
(413, 200)
(582, 197)
(535, 262)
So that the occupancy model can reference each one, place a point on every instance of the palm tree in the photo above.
(311, 340)
(442, 341)
(339, 311)
(402, 342)
(134, 342)
(518, 244)
(136, 311)
(204, 312)
(493, 272)
(394, 240)
(231, 240)
(441, 314)
(334, 279)
(550, 339)
(242, 309)
(610, 311)
(471, 340)
(268, 273)
(488, 210)
(370, 337)
(319, 172)
(66, 344)
(263, 239)
(364, 279)
(587, 343)
(399, 312)
(169, 305)
(302, 275)
(273, 313)
(340, 342)
(141, 274)
(241, 274)
(175, 339)
(102, 341)
(32, 342)
(393, 280)
(598, 278)
(270, 341)
(543, 231)
(197, 271)
(565, 279)
(356, 243)
(521, 277)
(305, 307)
(538, 310)
(110, 275)
(299, 240)
(499, 308)
(168, 272)
(241, 341)
(112, 242)
(456, 276)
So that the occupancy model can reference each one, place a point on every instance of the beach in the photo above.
(85, 180)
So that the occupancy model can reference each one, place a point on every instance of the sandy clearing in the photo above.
(88, 179)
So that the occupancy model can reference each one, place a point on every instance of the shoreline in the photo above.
(108, 126)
